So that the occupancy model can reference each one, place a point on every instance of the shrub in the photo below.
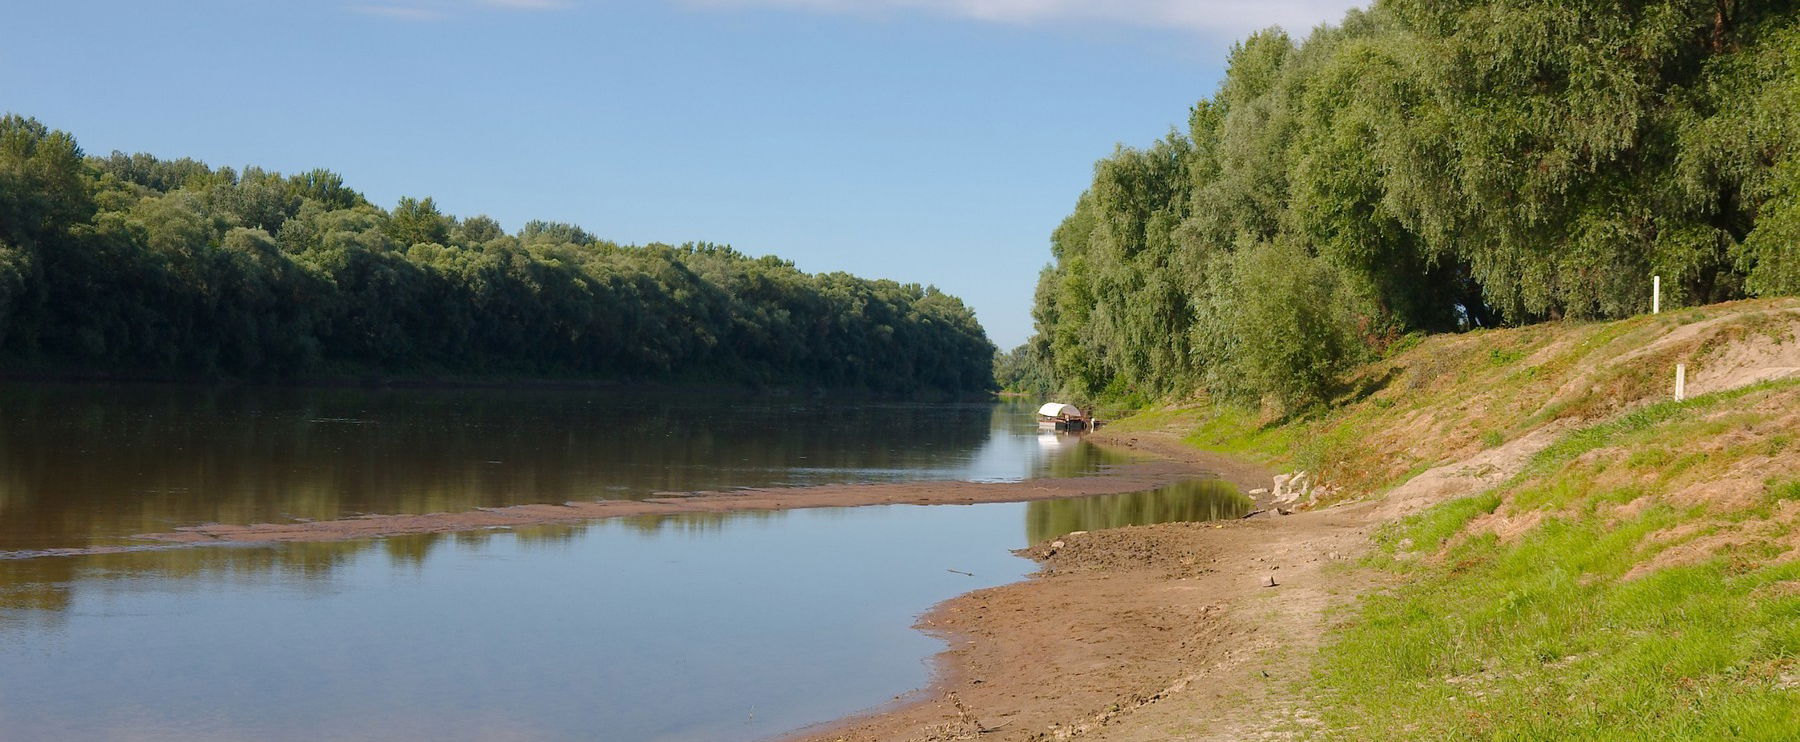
(1293, 330)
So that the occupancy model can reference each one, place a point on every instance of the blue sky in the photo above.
(930, 141)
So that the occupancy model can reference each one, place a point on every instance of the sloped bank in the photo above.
(1523, 535)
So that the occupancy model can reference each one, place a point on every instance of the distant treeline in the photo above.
(1427, 166)
(136, 265)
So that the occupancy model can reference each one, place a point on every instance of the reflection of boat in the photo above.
(1060, 416)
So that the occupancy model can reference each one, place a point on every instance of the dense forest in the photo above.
(1429, 166)
(133, 265)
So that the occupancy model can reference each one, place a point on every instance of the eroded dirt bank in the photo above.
(1111, 480)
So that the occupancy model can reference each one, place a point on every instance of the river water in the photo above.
(679, 628)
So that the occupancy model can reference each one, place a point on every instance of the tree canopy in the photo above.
(138, 265)
(1430, 166)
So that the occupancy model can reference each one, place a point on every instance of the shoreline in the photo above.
(524, 382)
(1094, 634)
(1115, 622)
(1110, 479)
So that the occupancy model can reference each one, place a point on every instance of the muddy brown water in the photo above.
(86, 465)
(695, 628)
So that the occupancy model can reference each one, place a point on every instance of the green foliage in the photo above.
(1285, 328)
(144, 266)
(1024, 370)
(1447, 165)
(414, 221)
(44, 184)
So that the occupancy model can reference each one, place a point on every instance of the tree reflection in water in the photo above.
(1190, 501)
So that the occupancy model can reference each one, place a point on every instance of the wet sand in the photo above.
(1141, 633)
(1191, 631)
(1133, 477)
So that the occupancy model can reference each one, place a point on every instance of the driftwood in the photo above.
(1253, 513)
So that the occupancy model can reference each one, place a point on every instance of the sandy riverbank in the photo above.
(1131, 633)
(1132, 477)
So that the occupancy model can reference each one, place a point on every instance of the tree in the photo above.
(134, 264)
(416, 221)
(1432, 166)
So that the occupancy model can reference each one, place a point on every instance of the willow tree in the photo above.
(1433, 166)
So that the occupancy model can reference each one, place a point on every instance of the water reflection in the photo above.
(1189, 501)
(671, 628)
(84, 465)
(696, 627)
(45, 585)
(756, 624)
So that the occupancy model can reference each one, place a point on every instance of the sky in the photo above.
(928, 141)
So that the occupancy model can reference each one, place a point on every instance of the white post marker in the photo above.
(1656, 294)
(1680, 381)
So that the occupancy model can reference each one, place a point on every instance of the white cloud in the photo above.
(1227, 16)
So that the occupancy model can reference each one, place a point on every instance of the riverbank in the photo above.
(1510, 533)
(353, 379)
(1111, 479)
(1196, 624)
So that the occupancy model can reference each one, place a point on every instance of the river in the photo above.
(690, 628)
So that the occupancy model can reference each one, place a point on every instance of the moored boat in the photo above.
(1062, 416)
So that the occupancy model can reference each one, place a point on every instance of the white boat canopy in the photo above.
(1058, 409)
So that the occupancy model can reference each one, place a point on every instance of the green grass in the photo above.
(1504, 356)
(1154, 419)
(1543, 638)
(1427, 530)
(1777, 490)
(1542, 641)
(1627, 428)
(1237, 431)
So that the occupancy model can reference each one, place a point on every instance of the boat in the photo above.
(1061, 416)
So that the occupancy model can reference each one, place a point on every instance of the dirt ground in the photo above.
(1187, 631)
